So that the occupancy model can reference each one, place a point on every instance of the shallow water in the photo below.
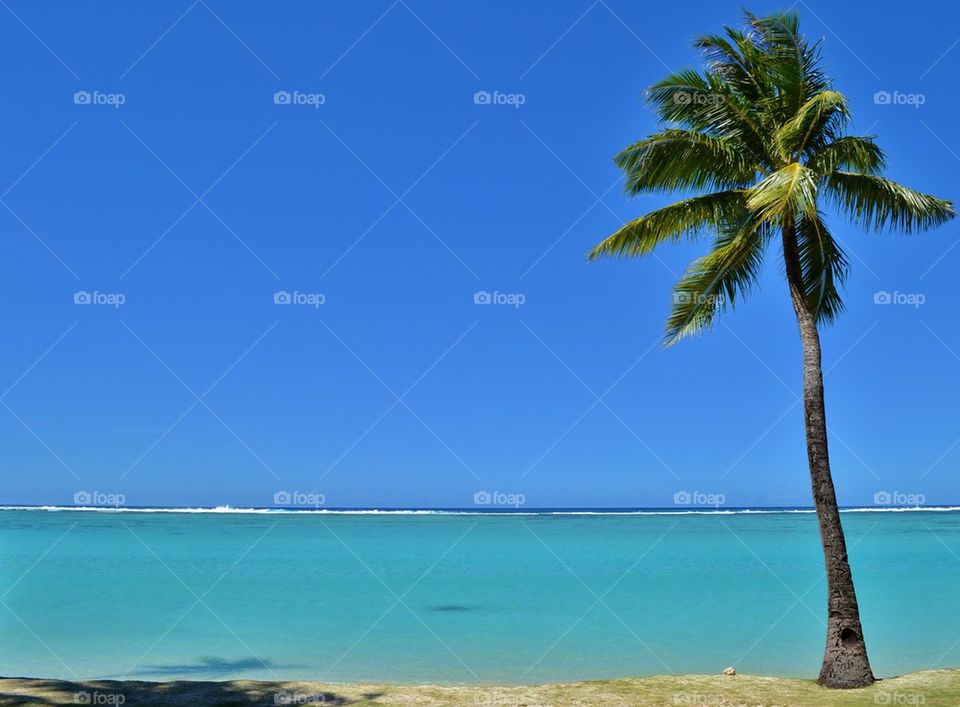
(460, 597)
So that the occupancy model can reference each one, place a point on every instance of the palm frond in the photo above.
(735, 59)
(877, 203)
(688, 218)
(703, 102)
(817, 112)
(683, 159)
(789, 59)
(858, 154)
(713, 283)
(791, 190)
(824, 266)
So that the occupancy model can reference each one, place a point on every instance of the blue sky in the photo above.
(385, 191)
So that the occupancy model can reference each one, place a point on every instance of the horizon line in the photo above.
(473, 510)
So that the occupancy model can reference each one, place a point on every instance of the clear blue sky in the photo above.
(494, 197)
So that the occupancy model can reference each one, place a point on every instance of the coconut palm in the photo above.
(760, 136)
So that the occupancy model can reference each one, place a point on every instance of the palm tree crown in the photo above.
(764, 133)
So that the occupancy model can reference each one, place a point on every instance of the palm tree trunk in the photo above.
(845, 662)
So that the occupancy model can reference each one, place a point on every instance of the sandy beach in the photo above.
(933, 688)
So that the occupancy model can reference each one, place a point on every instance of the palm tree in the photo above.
(762, 131)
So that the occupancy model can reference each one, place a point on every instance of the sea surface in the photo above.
(461, 597)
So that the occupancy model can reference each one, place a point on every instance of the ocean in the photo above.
(448, 597)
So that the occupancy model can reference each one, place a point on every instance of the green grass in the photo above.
(934, 688)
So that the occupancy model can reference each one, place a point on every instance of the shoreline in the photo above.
(931, 688)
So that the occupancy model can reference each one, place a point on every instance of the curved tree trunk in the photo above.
(845, 662)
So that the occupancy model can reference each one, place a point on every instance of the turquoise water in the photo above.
(461, 598)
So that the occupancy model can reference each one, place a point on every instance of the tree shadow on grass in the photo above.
(44, 693)
(212, 667)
